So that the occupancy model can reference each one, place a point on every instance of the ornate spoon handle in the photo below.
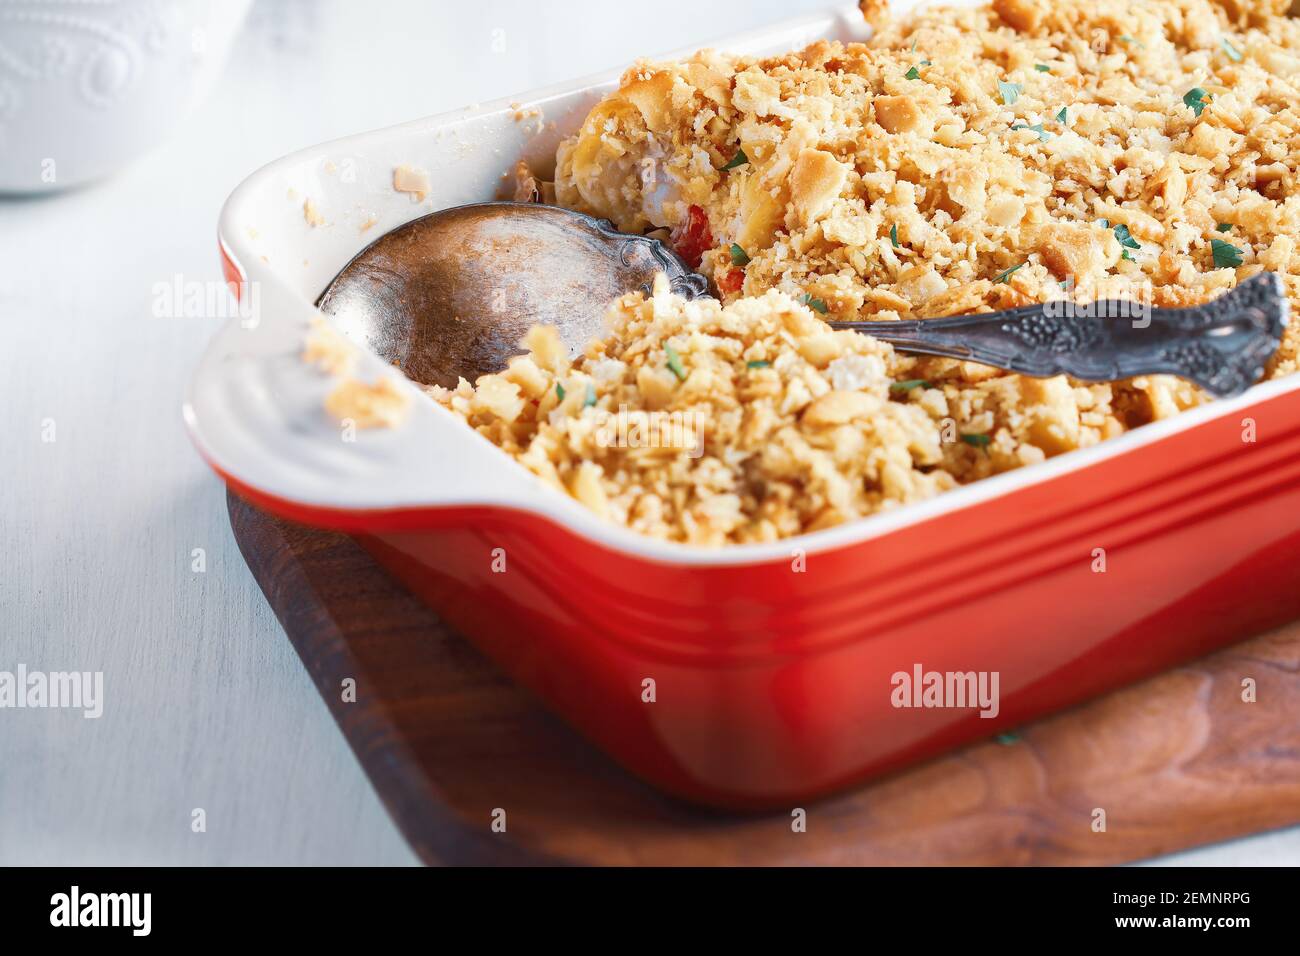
(1223, 346)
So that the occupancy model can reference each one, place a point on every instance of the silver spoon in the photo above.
(451, 294)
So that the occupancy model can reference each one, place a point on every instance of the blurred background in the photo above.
(206, 703)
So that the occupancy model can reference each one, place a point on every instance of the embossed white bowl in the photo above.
(88, 85)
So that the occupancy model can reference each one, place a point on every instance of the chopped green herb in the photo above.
(1233, 53)
(1126, 39)
(903, 388)
(1010, 92)
(675, 363)
(912, 74)
(926, 63)
(893, 235)
(1063, 117)
(817, 305)
(1224, 227)
(1008, 738)
(739, 257)
(740, 159)
(1197, 99)
(1042, 68)
(1126, 238)
(914, 39)
(1127, 255)
(1006, 276)
(977, 441)
(1104, 223)
(590, 398)
(1037, 128)
(1226, 255)
(761, 363)
(559, 391)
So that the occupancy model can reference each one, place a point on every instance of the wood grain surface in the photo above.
(1176, 761)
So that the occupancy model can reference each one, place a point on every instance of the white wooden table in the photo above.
(206, 704)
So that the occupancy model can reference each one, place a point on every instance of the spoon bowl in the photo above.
(451, 294)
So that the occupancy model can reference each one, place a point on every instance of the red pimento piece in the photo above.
(693, 238)
(732, 281)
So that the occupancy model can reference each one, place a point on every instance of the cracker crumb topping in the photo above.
(753, 421)
(415, 182)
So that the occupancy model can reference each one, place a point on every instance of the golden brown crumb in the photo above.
(379, 405)
(1023, 15)
(311, 213)
(897, 114)
(527, 187)
(408, 179)
(329, 351)
(875, 12)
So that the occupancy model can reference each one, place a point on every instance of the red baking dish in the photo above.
(774, 668)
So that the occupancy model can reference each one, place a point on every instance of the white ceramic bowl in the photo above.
(85, 87)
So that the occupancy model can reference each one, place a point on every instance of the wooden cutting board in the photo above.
(446, 739)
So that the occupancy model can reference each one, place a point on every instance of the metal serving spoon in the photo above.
(452, 293)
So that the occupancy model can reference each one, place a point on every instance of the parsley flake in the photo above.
(817, 305)
(1223, 227)
(912, 74)
(1042, 68)
(977, 441)
(1226, 255)
(1036, 128)
(759, 363)
(1197, 99)
(902, 388)
(1126, 238)
(1005, 277)
(1010, 92)
(559, 391)
(893, 235)
(740, 159)
(675, 363)
(1008, 738)
(739, 257)
(590, 398)
(1063, 117)
(1233, 53)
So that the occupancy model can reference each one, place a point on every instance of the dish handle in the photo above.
(256, 410)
